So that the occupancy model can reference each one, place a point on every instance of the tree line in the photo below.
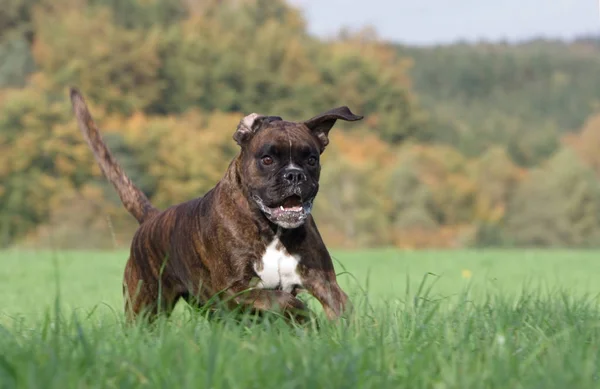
(462, 145)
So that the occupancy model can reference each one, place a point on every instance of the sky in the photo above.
(427, 22)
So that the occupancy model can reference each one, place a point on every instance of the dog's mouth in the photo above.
(289, 213)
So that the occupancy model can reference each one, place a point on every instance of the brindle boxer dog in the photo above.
(250, 239)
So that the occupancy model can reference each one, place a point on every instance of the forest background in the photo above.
(463, 145)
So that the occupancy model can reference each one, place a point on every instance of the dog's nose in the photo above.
(294, 176)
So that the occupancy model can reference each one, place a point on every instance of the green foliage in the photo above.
(152, 69)
(15, 18)
(351, 209)
(168, 81)
(401, 345)
(266, 51)
(40, 159)
(516, 96)
(559, 205)
(16, 62)
(412, 202)
(118, 66)
(406, 331)
(144, 14)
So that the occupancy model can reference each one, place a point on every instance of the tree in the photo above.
(586, 143)
(41, 158)
(16, 62)
(557, 205)
(144, 14)
(497, 179)
(116, 67)
(366, 74)
(351, 205)
(518, 96)
(15, 18)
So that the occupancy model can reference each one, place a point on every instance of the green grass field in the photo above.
(481, 319)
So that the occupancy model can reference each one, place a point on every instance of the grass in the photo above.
(485, 319)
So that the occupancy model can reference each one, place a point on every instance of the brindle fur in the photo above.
(208, 246)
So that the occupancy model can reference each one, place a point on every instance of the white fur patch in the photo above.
(279, 268)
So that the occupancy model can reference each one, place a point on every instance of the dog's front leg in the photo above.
(265, 300)
(327, 291)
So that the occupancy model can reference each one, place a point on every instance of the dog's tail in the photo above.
(131, 196)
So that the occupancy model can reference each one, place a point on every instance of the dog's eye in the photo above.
(312, 161)
(267, 160)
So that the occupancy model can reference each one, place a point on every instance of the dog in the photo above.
(250, 240)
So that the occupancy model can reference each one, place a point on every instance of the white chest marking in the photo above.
(279, 268)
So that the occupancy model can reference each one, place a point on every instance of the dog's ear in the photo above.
(250, 125)
(321, 124)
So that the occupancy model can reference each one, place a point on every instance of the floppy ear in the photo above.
(250, 125)
(321, 124)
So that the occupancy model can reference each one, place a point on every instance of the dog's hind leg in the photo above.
(145, 299)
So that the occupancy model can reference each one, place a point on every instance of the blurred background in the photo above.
(482, 119)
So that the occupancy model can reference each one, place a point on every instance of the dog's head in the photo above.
(280, 162)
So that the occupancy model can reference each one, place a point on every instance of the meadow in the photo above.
(423, 319)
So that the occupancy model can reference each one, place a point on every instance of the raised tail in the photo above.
(134, 200)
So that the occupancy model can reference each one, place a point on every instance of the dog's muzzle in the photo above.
(291, 213)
